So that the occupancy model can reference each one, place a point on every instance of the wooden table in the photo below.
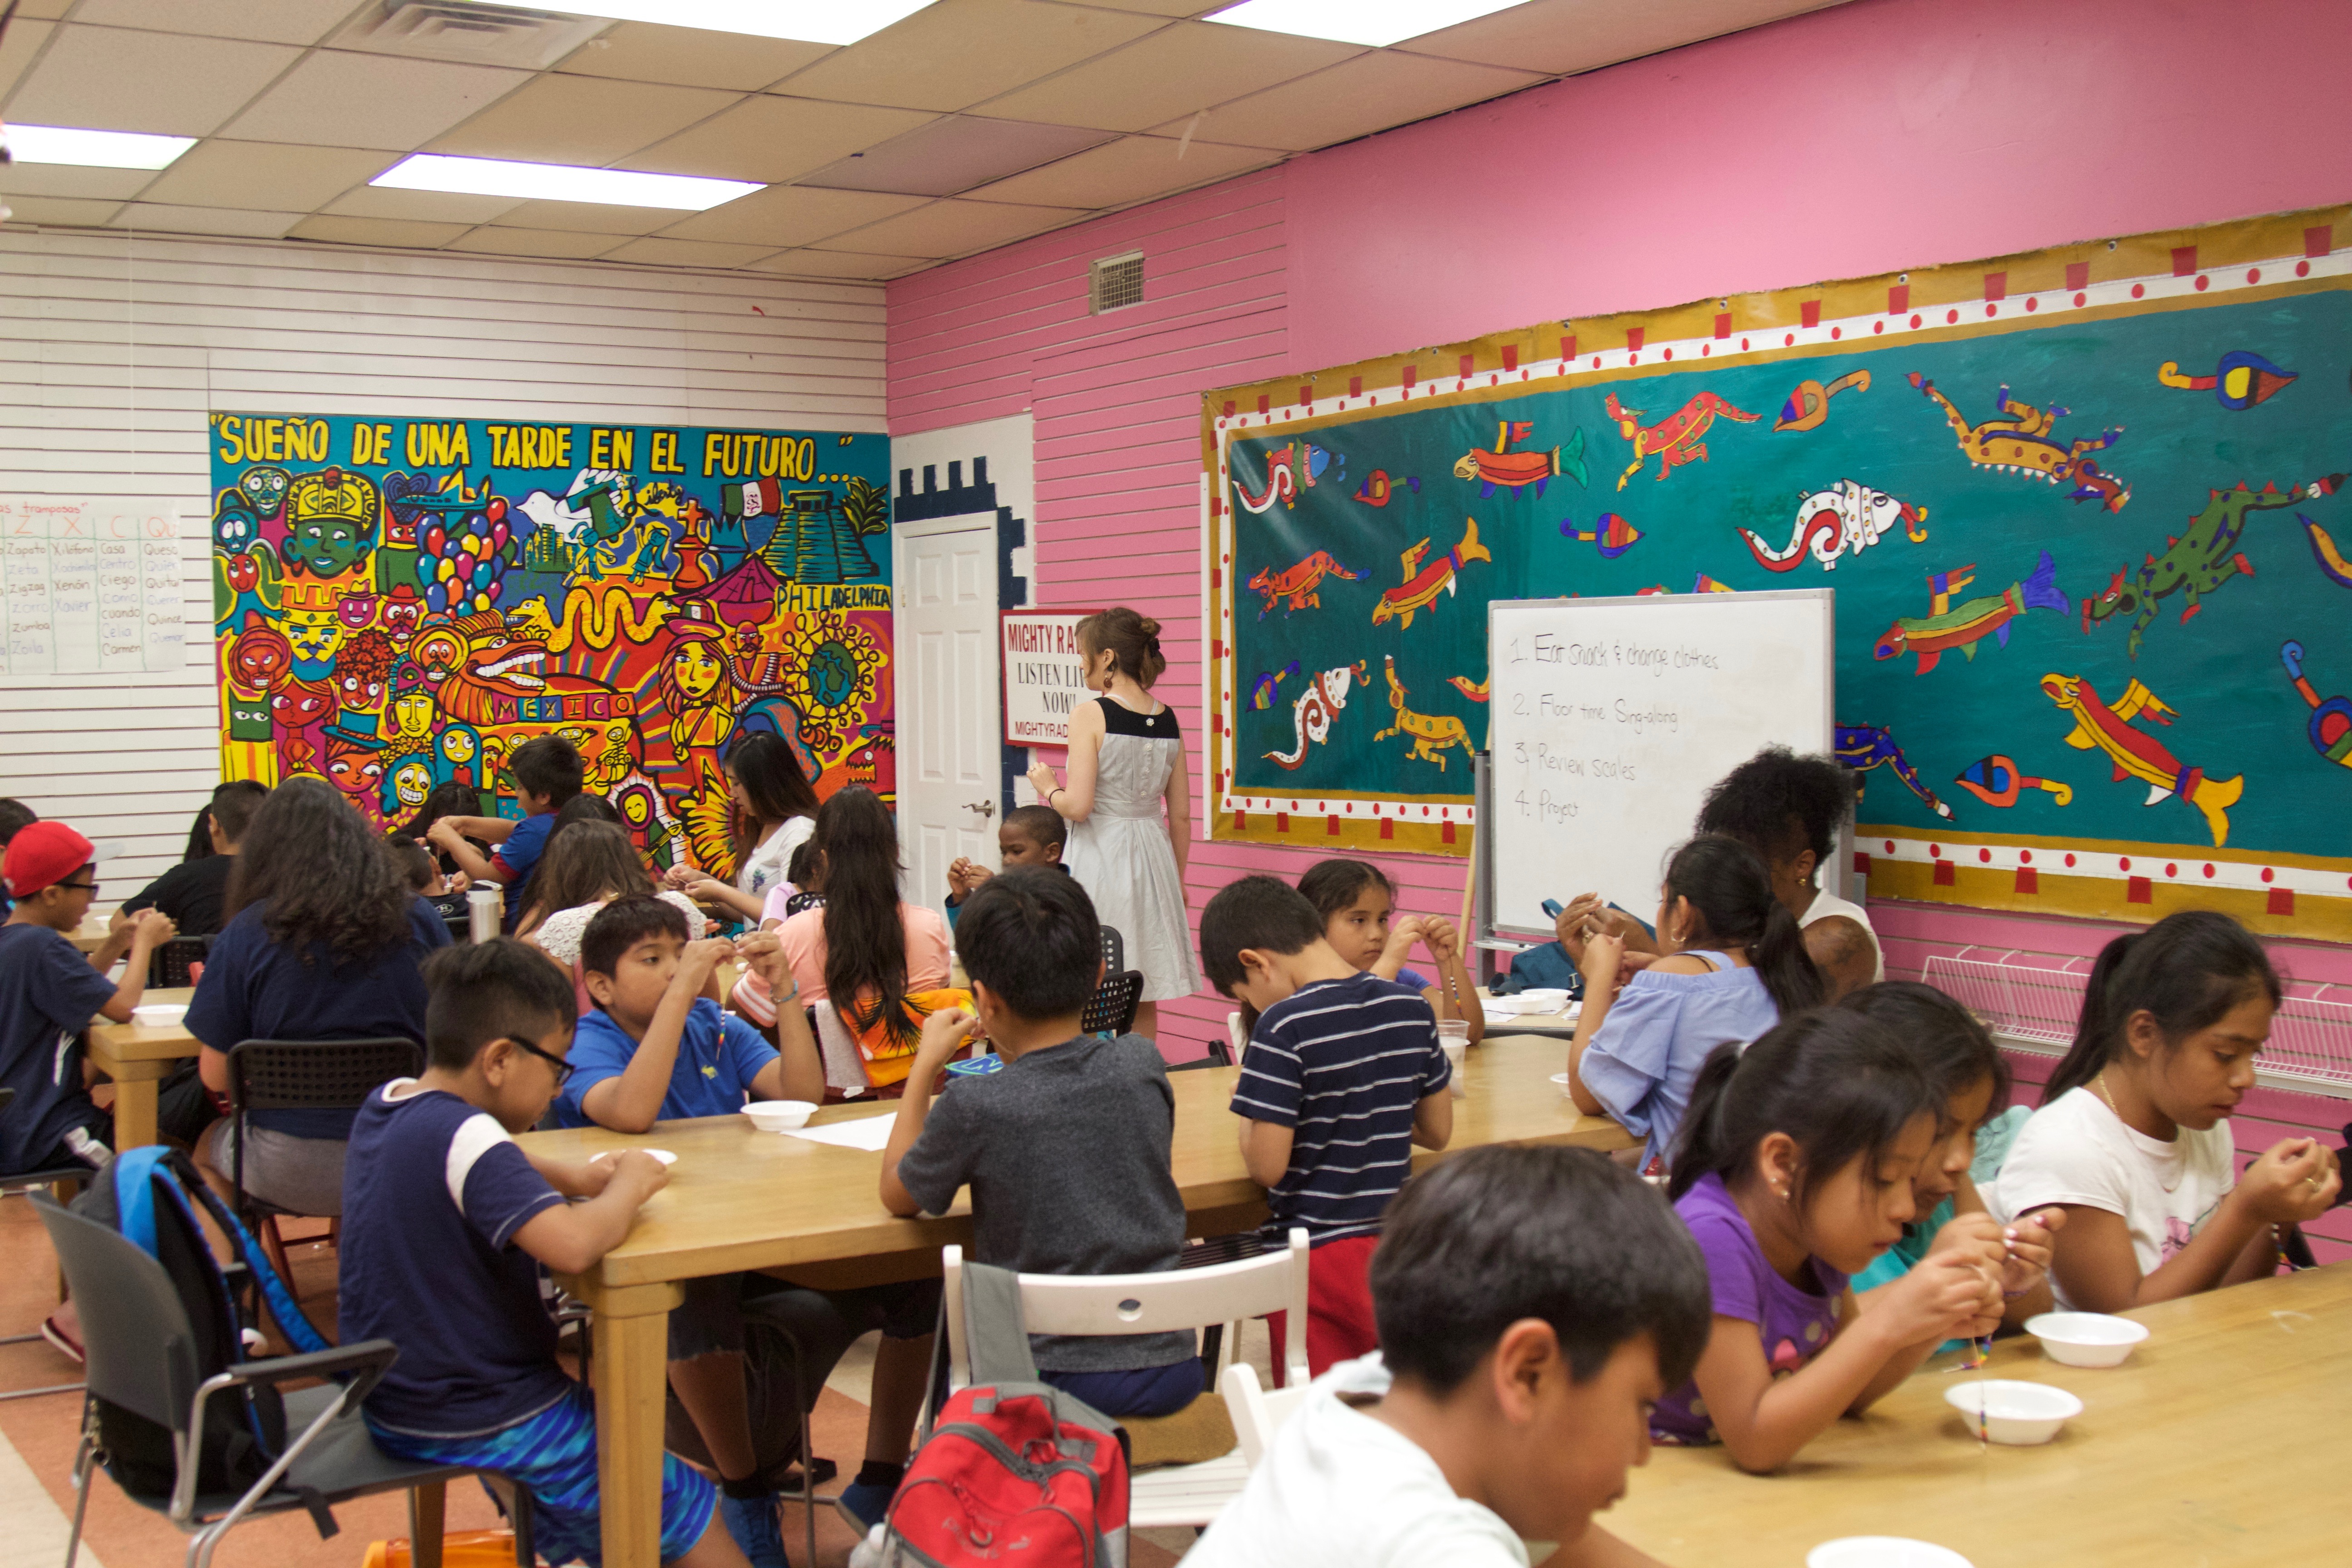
(2217, 1444)
(740, 1199)
(90, 935)
(137, 1059)
(1559, 1024)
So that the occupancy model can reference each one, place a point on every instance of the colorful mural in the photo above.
(1994, 460)
(399, 602)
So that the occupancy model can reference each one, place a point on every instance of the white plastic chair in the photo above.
(1179, 1299)
(845, 1069)
(1258, 1413)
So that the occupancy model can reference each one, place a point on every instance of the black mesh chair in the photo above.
(143, 1359)
(303, 1075)
(65, 1181)
(168, 964)
(1111, 1009)
(1114, 952)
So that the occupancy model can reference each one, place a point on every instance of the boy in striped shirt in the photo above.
(1341, 1076)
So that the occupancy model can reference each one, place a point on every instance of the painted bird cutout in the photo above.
(1944, 627)
(1809, 402)
(2136, 754)
(1503, 468)
(1997, 781)
(1422, 584)
(2241, 380)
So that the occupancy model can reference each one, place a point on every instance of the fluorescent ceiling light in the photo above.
(94, 149)
(811, 21)
(1374, 23)
(557, 183)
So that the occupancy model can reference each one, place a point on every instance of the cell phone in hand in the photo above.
(1553, 907)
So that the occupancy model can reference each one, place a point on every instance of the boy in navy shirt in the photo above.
(1342, 1075)
(547, 774)
(49, 992)
(446, 1224)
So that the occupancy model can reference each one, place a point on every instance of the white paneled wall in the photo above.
(113, 347)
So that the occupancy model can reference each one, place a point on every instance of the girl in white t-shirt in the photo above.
(774, 811)
(2133, 1137)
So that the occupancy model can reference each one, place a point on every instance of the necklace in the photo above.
(2180, 1171)
(2100, 1083)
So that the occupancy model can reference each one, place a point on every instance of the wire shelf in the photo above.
(2033, 1009)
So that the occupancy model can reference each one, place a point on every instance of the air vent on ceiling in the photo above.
(1114, 282)
(478, 33)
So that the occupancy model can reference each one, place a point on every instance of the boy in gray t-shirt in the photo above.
(1065, 1148)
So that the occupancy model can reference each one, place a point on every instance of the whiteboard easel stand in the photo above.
(1478, 901)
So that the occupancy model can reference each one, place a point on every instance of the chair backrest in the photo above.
(845, 1068)
(140, 1349)
(1236, 1034)
(1092, 1305)
(168, 964)
(1258, 1413)
(1114, 952)
(291, 1074)
(1114, 1004)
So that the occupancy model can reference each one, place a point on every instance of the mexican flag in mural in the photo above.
(2085, 513)
(399, 602)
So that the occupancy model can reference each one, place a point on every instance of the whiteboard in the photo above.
(1612, 716)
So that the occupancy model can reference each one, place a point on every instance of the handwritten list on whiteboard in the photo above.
(90, 587)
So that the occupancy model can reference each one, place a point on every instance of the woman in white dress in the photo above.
(1126, 763)
(774, 812)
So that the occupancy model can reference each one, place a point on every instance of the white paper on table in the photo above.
(870, 1132)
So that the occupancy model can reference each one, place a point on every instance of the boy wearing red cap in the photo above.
(49, 992)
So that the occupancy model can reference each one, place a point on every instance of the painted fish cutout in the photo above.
(2138, 754)
(1946, 627)
(1503, 468)
(1421, 586)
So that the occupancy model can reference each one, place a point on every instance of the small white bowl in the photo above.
(159, 1015)
(1561, 1079)
(2085, 1339)
(664, 1155)
(780, 1115)
(1883, 1552)
(2019, 1414)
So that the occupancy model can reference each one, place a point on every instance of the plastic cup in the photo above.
(484, 908)
(1454, 1037)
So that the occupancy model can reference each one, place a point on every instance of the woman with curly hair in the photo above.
(323, 942)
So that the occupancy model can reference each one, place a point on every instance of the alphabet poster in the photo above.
(2084, 511)
(399, 602)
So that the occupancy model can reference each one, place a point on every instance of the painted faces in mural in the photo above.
(331, 520)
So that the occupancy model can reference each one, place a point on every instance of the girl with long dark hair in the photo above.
(323, 943)
(2133, 1138)
(772, 809)
(1733, 964)
(866, 948)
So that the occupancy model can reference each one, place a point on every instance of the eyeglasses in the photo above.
(78, 886)
(563, 1069)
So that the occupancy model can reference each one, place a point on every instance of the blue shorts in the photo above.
(1143, 1391)
(553, 1455)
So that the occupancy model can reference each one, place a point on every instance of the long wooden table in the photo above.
(2217, 1444)
(741, 1199)
(137, 1059)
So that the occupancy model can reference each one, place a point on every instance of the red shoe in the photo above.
(59, 1336)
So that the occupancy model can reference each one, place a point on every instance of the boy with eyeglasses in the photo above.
(49, 992)
(446, 1222)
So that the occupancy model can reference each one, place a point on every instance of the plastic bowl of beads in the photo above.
(2019, 1414)
(2085, 1339)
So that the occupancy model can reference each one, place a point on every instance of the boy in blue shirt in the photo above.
(547, 774)
(1342, 1076)
(446, 1224)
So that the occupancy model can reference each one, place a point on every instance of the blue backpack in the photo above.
(152, 1196)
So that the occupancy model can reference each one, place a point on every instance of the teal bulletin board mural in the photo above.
(2089, 543)
(399, 602)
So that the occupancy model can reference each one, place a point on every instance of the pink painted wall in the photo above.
(1879, 135)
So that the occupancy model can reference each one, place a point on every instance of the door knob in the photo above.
(983, 807)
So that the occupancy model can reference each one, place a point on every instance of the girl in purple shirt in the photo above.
(1794, 1172)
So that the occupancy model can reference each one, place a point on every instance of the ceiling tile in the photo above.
(72, 179)
(110, 78)
(952, 54)
(342, 99)
(163, 218)
(788, 214)
(588, 217)
(1128, 170)
(852, 265)
(580, 119)
(691, 56)
(64, 210)
(687, 253)
(1558, 37)
(267, 21)
(16, 50)
(952, 154)
(393, 232)
(771, 138)
(559, 244)
(220, 173)
(1174, 72)
(419, 206)
(1356, 98)
(953, 228)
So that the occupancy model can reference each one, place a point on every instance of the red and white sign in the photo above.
(1045, 675)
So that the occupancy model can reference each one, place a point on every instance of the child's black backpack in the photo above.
(151, 1196)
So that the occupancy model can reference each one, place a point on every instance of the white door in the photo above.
(949, 706)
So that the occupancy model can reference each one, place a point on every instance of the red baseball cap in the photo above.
(44, 854)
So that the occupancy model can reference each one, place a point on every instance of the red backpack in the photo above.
(1014, 1471)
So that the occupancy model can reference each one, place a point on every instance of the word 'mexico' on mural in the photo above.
(2096, 475)
(400, 603)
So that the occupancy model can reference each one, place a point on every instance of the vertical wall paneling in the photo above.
(113, 347)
